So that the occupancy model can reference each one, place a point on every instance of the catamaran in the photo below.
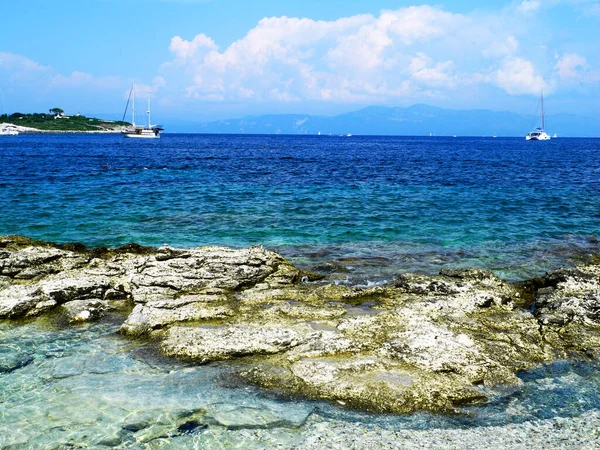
(539, 134)
(139, 131)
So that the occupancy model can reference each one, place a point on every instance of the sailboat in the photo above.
(139, 131)
(539, 134)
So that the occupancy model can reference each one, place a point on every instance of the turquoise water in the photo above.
(363, 207)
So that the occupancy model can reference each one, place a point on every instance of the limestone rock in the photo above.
(85, 310)
(568, 309)
(205, 344)
(158, 314)
(421, 343)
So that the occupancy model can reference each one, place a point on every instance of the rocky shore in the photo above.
(433, 343)
(31, 130)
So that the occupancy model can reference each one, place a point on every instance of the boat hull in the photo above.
(141, 136)
(538, 138)
(142, 133)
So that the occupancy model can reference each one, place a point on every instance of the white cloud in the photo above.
(570, 67)
(517, 76)
(423, 70)
(509, 46)
(18, 63)
(188, 49)
(286, 59)
(529, 6)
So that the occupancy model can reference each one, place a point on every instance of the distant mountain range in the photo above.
(415, 120)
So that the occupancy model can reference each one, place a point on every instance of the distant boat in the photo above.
(7, 130)
(539, 134)
(555, 136)
(348, 135)
(139, 131)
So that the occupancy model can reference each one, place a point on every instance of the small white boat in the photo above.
(539, 134)
(139, 131)
(7, 130)
(555, 136)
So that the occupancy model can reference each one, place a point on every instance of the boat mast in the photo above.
(543, 124)
(133, 105)
(149, 126)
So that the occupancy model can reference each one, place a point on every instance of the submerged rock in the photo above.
(11, 359)
(421, 343)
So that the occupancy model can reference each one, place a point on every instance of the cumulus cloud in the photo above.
(570, 67)
(517, 76)
(188, 49)
(426, 72)
(406, 54)
(285, 59)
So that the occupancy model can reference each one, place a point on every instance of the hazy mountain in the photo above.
(413, 121)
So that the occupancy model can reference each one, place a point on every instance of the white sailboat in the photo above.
(539, 134)
(138, 131)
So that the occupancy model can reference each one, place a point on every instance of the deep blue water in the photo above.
(373, 206)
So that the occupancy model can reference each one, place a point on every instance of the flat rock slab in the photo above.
(205, 344)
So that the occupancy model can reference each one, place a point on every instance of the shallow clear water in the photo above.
(374, 206)
(85, 386)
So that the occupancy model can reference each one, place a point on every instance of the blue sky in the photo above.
(215, 59)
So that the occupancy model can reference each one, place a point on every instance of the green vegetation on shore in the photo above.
(56, 120)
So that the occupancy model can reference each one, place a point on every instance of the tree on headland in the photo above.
(56, 111)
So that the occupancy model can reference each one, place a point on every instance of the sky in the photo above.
(205, 60)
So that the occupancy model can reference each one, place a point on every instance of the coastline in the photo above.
(421, 343)
(30, 130)
(442, 345)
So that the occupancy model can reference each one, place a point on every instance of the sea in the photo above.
(359, 209)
